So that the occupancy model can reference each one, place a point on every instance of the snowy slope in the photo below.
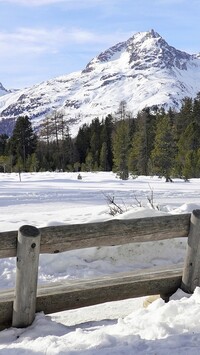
(143, 71)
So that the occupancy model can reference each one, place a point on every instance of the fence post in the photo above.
(191, 271)
(28, 251)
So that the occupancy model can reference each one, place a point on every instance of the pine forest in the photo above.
(166, 144)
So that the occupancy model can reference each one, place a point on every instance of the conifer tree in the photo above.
(188, 147)
(106, 139)
(121, 145)
(191, 167)
(23, 141)
(184, 117)
(66, 151)
(104, 157)
(163, 154)
(142, 143)
(82, 142)
(3, 143)
(4, 163)
(196, 108)
(89, 161)
(32, 163)
(95, 141)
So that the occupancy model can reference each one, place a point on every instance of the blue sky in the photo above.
(42, 39)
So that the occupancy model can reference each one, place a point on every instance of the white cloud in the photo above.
(26, 40)
(31, 55)
(41, 40)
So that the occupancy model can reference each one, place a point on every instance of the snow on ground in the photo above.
(124, 327)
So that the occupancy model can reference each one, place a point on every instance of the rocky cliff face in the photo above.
(144, 71)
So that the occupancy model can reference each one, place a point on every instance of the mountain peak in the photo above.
(144, 71)
(143, 50)
(143, 36)
(3, 91)
(154, 33)
(115, 51)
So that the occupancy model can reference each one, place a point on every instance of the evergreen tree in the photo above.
(196, 109)
(66, 151)
(106, 139)
(23, 141)
(188, 147)
(3, 143)
(104, 157)
(4, 163)
(32, 163)
(82, 142)
(142, 143)
(184, 117)
(191, 166)
(121, 145)
(44, 155)
(95, 142)
(89, 161)
(163, 154)
(77, 166)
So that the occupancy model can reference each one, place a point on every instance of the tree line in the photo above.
(153, 143)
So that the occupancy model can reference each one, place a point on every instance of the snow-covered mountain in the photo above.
(3, 91)
(144, 71)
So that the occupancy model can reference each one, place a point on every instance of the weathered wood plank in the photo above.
(58, 297)
(68, 237)
(6, 308)
(109, 288)
(8, 244)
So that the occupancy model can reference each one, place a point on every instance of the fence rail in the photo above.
(69, 237)
(18, 307)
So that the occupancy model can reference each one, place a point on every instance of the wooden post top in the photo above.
(196, 213)
(29, 231)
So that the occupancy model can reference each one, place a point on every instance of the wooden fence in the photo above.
(18, 307)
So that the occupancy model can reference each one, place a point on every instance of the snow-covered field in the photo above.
(125, 327)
